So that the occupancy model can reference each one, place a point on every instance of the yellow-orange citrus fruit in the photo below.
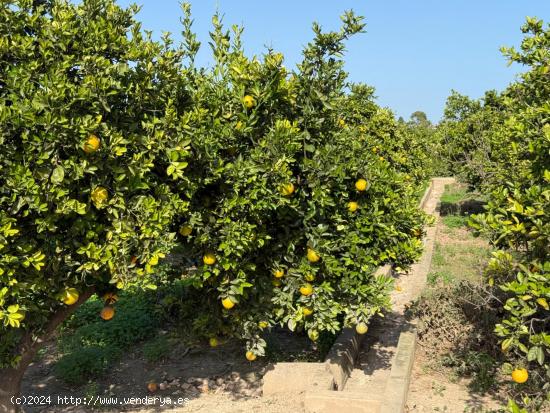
(352, 206)
(312, 256)
(361, 185)
(227, 303)
(278, 273)
(70, 296)
(361, 328)
(520, 375)
(249, 102)
(307, 311)
(185, 230)
(99, 194)
(91, 144)
(213, 342)
(209, 258)
(287, 189)
(306, 289)
(250, 356)
(107, 312)
(152, 387)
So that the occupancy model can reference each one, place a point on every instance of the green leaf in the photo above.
(57, 175)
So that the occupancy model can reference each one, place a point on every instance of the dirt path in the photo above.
(434, 388)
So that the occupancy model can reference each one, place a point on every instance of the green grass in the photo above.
(458, 261)
(454, 193)
(455, 221)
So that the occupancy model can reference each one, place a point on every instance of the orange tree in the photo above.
(503, 146)
(91, 147)
(517, 218)
(294, 207)
(466, 135)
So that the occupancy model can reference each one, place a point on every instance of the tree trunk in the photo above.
(10, 378)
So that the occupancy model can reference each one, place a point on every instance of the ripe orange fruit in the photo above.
(312, 256)
(361, 185)
(185, 230)
(91, 144)
(213, 342)
(99, 195)
(249, 102)
(309, 276)
(278, 273)
(352, 206)
(250, 356)
(361, 328)
(307, 311)
(152, 387)
(209, 258)
(107, 312)
(70, 296)
(227, 303)
(520, 375)
(306, 289)
(287, 189)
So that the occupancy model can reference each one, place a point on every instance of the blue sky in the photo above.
(414, 51)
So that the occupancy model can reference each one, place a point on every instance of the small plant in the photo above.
(478, 365)
(455, 221)
(86, 363)
(156, 349)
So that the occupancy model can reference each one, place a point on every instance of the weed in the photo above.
(78, 367)
(156, 349)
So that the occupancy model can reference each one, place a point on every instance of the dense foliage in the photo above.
(303, 189)
(502, 145)
(284, 190)
(90, 137)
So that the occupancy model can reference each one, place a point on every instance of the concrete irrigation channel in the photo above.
(369, 373)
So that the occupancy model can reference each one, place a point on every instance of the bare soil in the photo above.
(198, 379)
(433, 387)
(435, 390)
